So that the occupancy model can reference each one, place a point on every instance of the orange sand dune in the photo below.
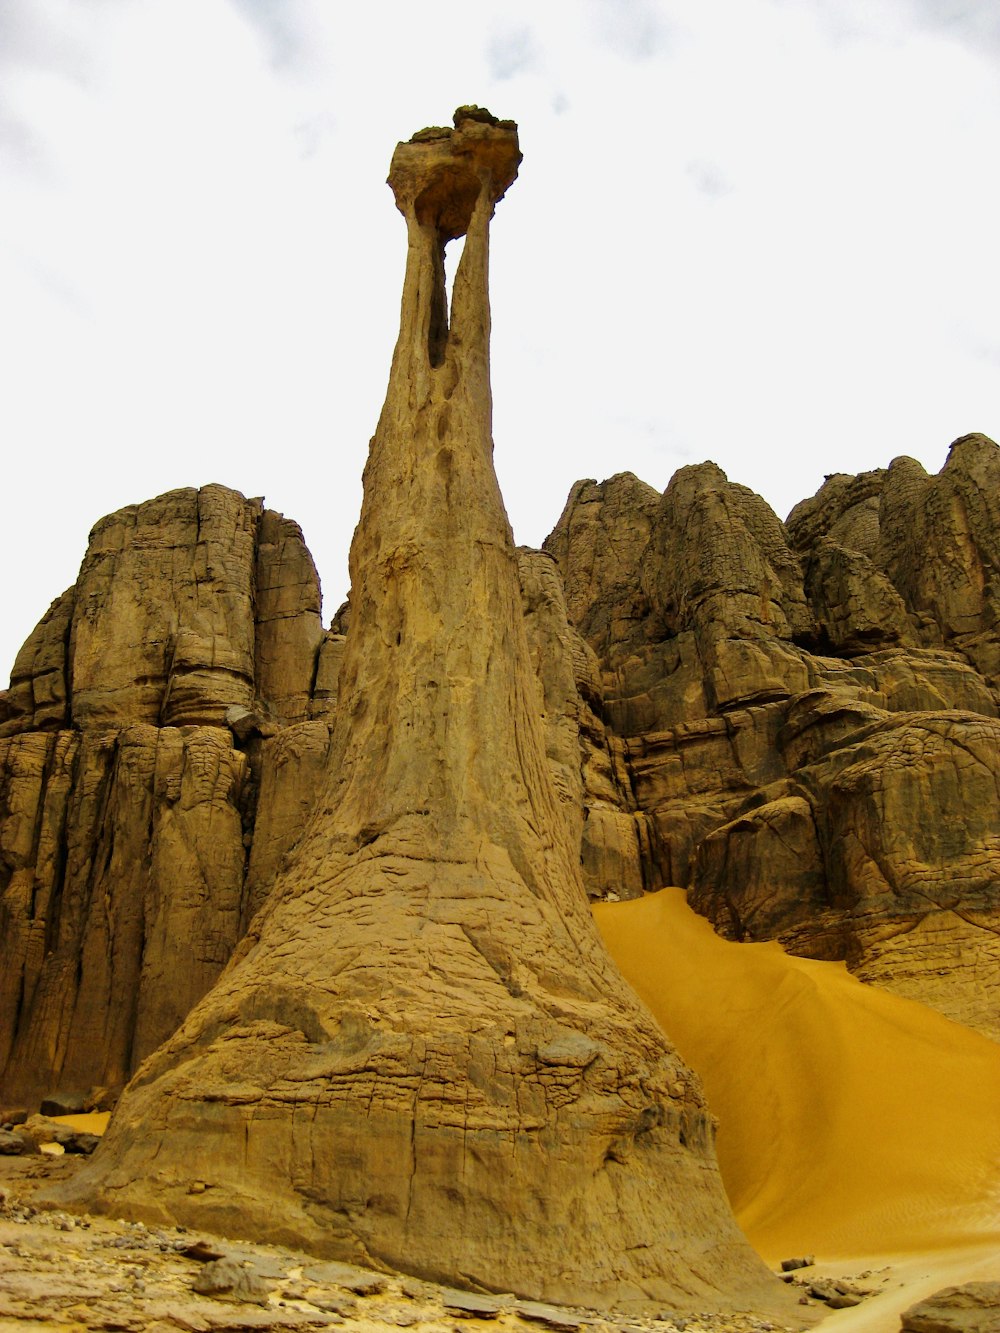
(850, 1120)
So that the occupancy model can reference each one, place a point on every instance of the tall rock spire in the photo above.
(421, 1056)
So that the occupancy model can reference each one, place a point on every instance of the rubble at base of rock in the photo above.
(61, 1270)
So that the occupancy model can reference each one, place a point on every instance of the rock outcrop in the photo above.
(134, 853)
(421, 1054)
(809, 714)
(971, 1308)
(134, 738)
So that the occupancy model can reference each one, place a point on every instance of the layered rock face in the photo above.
(809, 713)
(421, 1054)
(137, 840)
(132, 745)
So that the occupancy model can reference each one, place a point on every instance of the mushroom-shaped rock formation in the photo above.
(421, 1055)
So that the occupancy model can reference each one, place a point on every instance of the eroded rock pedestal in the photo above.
(421, 1054)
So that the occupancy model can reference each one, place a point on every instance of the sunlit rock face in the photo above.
(133, 740)
(421, 1054)
(808, 713)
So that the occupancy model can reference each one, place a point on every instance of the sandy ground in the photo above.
(854, 1125)
(905, 1280)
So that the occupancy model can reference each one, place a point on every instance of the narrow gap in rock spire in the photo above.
(437, 336)
(452, 258)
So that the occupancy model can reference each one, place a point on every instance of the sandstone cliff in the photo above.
(131, 750)
(134, 851)
(809, 713)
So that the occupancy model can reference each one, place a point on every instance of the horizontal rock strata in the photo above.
(809, 713)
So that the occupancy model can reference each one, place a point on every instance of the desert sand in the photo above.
(851, 1121)
(854, 1125)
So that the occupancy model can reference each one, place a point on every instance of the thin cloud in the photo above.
(709, 179)
(56, 285)
(636, 29)
(21, 148)
(282, 31)
(511, 52)
(51, 38)
(975, 22)
(312, 133)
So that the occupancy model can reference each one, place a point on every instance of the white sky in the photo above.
(758, 231)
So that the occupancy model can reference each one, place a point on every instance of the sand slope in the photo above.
(851, 1121)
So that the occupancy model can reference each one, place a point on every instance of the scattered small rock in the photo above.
(13, 1144)
(81, 1142)
(790, 1265)
(63, 1103)
(554, 1316)
(201, 1251)
(843, 1300)
(231, 1281)
(403, 1317)
(45, 1132)
(358, 1280)
(471, 1304)
(336, 1305)
(837, 1293)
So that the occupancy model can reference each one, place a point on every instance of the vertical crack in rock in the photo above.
(445, 1072)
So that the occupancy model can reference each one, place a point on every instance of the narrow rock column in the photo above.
(422, 1056)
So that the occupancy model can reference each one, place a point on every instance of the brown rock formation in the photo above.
(126, 801)
(973, 1307)
(104, 958)
(421, 1054)
(809, 720)
(124, 858)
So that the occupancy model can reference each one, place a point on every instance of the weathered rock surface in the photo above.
(808, 715)
(133, 743)
(133, 855)
(421, 1054)
(59, 1271)
(971, 1308)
